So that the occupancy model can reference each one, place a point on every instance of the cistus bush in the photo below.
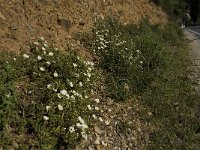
(44, 95)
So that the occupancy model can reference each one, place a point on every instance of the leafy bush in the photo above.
(52, 91)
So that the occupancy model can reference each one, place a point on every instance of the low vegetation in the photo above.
(43, 98)
(45, 93)
(151, 62)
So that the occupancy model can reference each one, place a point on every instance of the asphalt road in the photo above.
(192, 33)
(194, 29)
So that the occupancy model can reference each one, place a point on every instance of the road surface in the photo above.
(192, 33)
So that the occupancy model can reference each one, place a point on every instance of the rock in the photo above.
(64, 22)
(107, 122)
(90, 148)
(14, 26)
(15, 145)
(2, 16)
(97, 130)
(98, 147)
(97, 142)
(81, 23)
(104, 143)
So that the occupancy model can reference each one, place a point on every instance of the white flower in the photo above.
(72, 97)
(55, 74)
(141, 62)
(25, 56)
(48, 63)
(97, 142)
(41, 38)
(71, 84)
(14, 59)
(80, 84)
(55, 90)
(96, 108)
(89, 75)
(60, 107)
(100, 119)
(97, 100)
(89, 107)
(45, 44)
(84, 135)
(36, 43)
(45, 118)
(86, 96)
(42, 69)
(89, 69)
(81, 120)
(29, 92)
(94, 116)
(75, 65)
(50, 54)
(101, 39)
(48, 107)
(64, 92)
(49, 86)
(45, 52)
(39, 57)
(78, 125)
(43, 48)
(84, 126)
(71, 129)
(59, 95)
(8, 95)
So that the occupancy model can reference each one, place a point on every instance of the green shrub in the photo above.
(52, 90)
(131, 55)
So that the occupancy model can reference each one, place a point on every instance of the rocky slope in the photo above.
(22, 21)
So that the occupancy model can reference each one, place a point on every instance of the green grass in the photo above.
(43, 97)
(152, 62)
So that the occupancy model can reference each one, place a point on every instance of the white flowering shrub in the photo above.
(130, 54)
(53, 89)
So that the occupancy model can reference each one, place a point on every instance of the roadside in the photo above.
(194, 39)
(192, 34)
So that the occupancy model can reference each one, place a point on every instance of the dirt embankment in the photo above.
(22, 21)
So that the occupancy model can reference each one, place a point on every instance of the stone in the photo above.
(97, 142)
(14, 26)
(15, 145)
(2, 16)
(81, 23)
(90, 148)
(64, 22)
(97, 130)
